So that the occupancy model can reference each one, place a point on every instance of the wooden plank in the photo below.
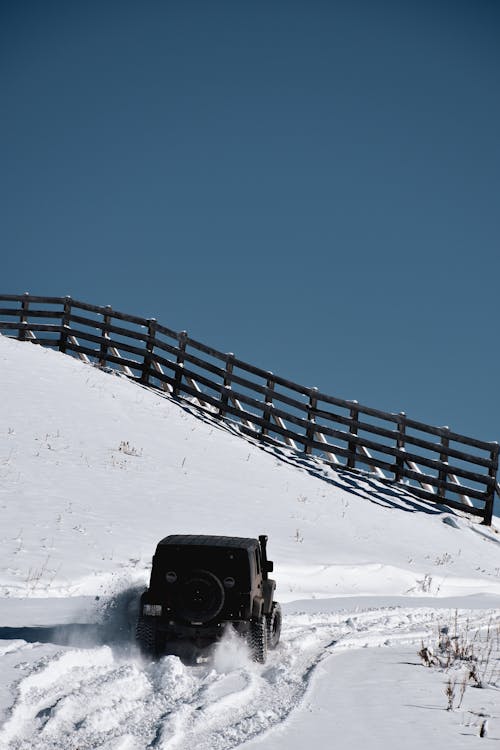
(243, 417)
(165, 380)
(115, 314)
(450, 452)
(346, 421)
(12, 312)
(32, 298)
(368, 460)
(443, 473)
(66, 320)
(319, 437)
(79, 305)
(40, 313)
(164, 362)
(180, 363)
(47, 327)
(96, 339)
(127, 318)
(104, 337)
(353, 431)
(194, 385)
(414, 468)
(42, 341)
(215, 369)
(400, 445)
(202, 380)
(158, 371)
(148, 354)
(435, 482)
(289, 384)
(93, 354)
(490, 502)
(23, 317)
(454, 436)
(119, 361)
(311, 421)
(128, 332)
(278, 380)
(164, 331)
(269, 393)
(7, 325)
(110, 327)
(375, 469)
(465, 498)
(267, 406)
(345, 404)
(215, 353)
(164, 347)
(11, 297)
(84, 321)
(289, 441)
(73, 343)
(227, 384)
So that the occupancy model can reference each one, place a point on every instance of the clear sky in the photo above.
(313, 185)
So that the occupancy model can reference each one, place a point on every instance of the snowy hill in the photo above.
(94, 470)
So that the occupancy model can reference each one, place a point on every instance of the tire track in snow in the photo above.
(98, 697)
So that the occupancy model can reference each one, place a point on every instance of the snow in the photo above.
(94, 470)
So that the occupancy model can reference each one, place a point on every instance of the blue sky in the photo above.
(312, 185)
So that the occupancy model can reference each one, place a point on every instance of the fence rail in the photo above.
(434, 463)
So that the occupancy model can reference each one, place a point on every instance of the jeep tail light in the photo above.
(152, 609)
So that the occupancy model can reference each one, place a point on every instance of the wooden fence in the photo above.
(434, 463)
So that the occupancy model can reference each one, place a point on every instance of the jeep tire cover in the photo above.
(199, 597)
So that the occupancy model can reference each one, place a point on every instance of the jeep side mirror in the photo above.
(269, 566)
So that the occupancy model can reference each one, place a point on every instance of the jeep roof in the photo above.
(199, 540)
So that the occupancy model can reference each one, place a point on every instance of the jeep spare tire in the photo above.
(199, 597)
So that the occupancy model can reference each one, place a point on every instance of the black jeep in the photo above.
(200, 585)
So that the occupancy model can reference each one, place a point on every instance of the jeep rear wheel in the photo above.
(274, 626)
(257, 639)
(146, 635)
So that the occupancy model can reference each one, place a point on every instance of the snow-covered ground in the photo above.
(94, 470)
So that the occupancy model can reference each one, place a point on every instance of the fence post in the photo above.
(148, 355)
(353, 430)
(176, 386)
(400, 445)
(227, 385)
(23, 317)
(311, 420)
(492, 473)
(443, 459)
(103, 353)
(268, 404)
(66, 319)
